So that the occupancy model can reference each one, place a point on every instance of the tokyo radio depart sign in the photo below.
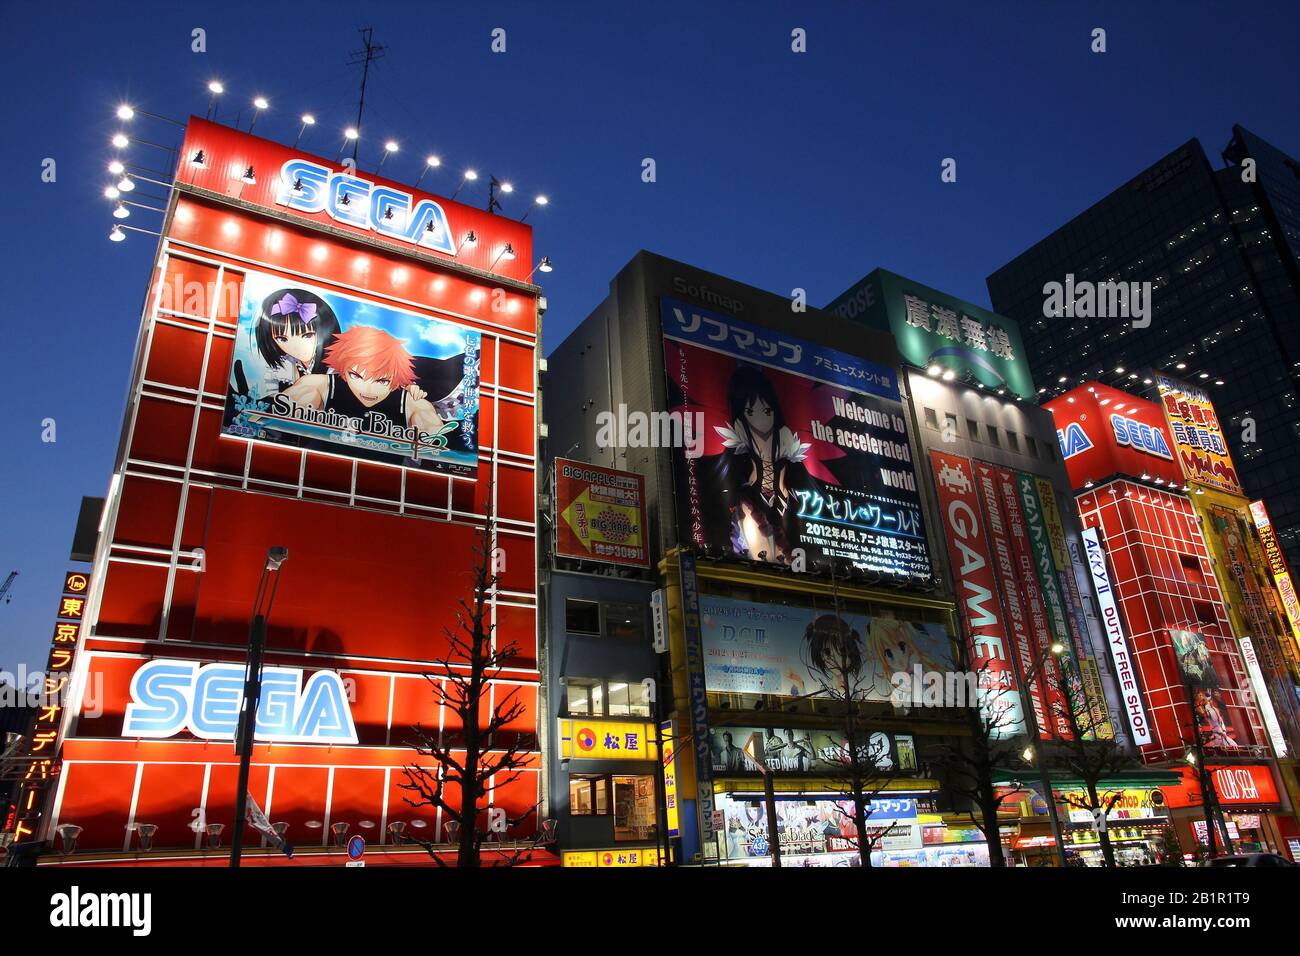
(600, 514)
(321, 370)
(800, 450)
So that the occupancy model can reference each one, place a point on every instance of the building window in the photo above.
(589, 795)
(931, 419)
(1013, 442)
(972, 429)
(627, 700)
(581, 617)
(589, 697)
(624, 621)
(993, 435)
(633, 805)
(949, 424)
(584, 697)
(1031, 446)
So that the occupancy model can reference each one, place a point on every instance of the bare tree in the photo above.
(836, 661)
(1088, 755)
(968, 765)
(484, 754)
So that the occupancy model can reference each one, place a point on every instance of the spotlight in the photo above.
(508, 253)
(934, 370)
(116, 168)
(121, 212)
(949, 375)
(249, 177)
(433, 162)
(120, 141)
(350, 133)
(471, 175)
(541, 200)
(112, 192)
(260, 102)
(215, 88)
(507, 188)
(126, 184)
(199, 159)
(308, 119)
(125, 112)
(545, 264)
(117, 235)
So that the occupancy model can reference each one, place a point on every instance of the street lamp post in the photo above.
(275, 557)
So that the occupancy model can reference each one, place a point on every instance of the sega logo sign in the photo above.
(311, 187)
(1133, 434)
(1073, 440)
(169, 696)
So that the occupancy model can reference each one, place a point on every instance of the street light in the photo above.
(430, 162)
(275, 558)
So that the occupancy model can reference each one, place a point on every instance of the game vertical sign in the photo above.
(698, 699)
(1012, 602)
(977, 591)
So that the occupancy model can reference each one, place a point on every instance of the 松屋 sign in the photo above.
(171, 696)
(606, 740)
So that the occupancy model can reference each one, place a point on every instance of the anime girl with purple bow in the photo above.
(294, 328)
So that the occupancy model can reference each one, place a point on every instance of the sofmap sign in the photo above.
(311, 187)
(933, 328)
(172, 696)
(1116, 640)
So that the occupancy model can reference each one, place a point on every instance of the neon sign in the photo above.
(311, 187)
(169, 696)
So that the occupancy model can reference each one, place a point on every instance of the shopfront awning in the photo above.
(1134, 778)
(823, 786)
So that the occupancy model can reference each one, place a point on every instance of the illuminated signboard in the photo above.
(320, 370)
(934, 328)
(1132, 803)
(977, 593)
(1202, 450)
(793, 452)
(1277, 567)
(593, 739)
(801, 750)
(172, 696)
(619, 858)
(600, 514)
(669, 741)
(311, 187)
(753, 648)
(1120, 653)
(1262, 698)
(1236, 785)
(1104, 431)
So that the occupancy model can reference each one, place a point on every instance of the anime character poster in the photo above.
(799, 750)
(805, 450)
(1208, 706)
(795, 651)
(321, 370)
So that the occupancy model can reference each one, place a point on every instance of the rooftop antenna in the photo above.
(373, 51)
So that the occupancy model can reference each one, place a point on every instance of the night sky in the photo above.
(782, 170)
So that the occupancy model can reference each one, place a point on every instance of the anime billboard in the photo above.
(320, 370)
(805, 452)
(796, 651)
(1202, 682)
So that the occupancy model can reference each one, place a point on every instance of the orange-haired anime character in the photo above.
(380, 378)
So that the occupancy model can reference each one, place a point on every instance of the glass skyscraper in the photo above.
(1222, 254)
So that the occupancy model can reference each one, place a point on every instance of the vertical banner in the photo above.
(1011, 600)
(698, 701)
(1277, 566)
(1042, 626)
(1262, 698)
(668, 753)
(976, 590)
(1120, 654)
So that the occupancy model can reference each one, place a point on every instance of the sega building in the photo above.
(771, 442)
(1185, 612)
(332, 363)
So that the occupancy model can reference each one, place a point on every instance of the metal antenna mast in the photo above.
(373, 51)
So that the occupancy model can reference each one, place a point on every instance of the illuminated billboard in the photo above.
(1105, 431)
(933, 328)
(600, 514)
(1198, 439)
(754, 648)
(802, 450)
(326, 371)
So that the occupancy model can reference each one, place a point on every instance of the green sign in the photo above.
(934, 329)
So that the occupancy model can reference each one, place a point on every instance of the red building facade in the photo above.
(381, 547)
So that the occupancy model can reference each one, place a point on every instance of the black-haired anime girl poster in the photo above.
(805, 453)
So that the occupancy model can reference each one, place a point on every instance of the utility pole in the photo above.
(372, 51)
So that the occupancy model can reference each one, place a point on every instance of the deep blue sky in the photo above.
(781, 170)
